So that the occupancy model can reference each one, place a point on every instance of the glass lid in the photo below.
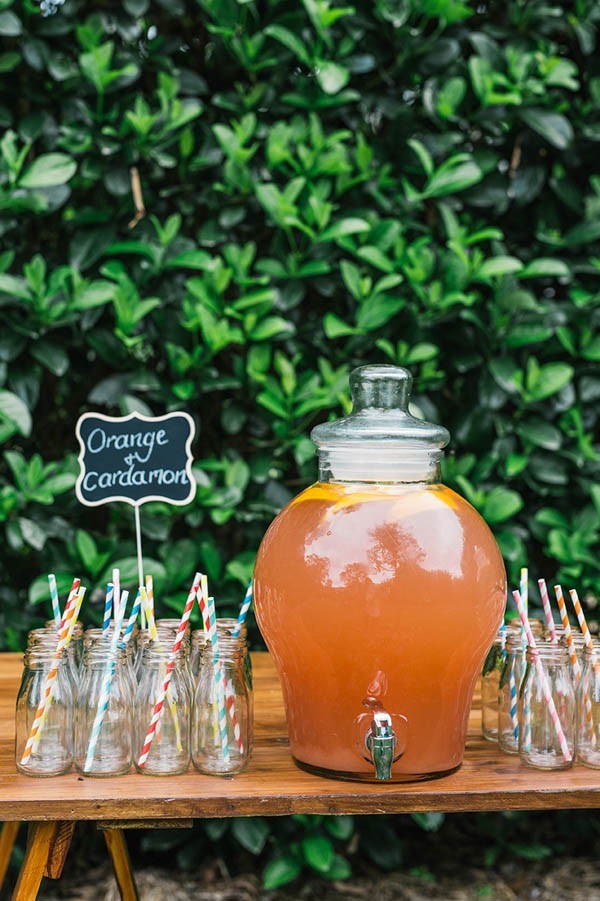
(380, 398)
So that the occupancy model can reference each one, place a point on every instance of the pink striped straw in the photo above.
(543, 679)
(564, 618)
(158, 706)
(547, 610)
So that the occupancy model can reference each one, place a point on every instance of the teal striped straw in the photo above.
(108, 605)
(55, 600)
(105, 689)
(134, 614)
(218, 675)
(243, 611)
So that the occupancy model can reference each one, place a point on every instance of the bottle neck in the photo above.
(379, 462)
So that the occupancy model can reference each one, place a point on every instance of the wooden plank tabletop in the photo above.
(272, 784)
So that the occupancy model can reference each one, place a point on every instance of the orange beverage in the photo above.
(387, 592)
(378, 592)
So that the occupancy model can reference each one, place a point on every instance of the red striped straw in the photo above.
(158, 707)
(543, 679)
(547, 610)
(583, 626)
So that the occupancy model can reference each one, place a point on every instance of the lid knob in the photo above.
(380, 387)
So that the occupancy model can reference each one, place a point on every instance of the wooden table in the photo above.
(271, 786)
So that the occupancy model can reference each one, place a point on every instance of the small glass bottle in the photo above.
(170, 749)
(103, 743)
(94, 635)
(508, 693)
(587, 694)
(490, 684)
(547, 735)
(52, 754)
(221, 736)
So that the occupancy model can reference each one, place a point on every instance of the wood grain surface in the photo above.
(272, 784)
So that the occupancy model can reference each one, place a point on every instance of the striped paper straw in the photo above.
(202, 599)
(55, 601)
(543, 679)
(583, 625)
(67, 625)
(513, 702)
(108, 608)
(107, 679)
(214, 640)
(564, 618)
(547, 610)
(150, 608)
(159, 704)
(116, 592)
(524, 588)
(134, 614)
(243, 611)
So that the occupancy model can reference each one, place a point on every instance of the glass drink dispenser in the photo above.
(378, 591)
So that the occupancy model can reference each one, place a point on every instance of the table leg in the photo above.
(117, 849)
(8, 837)
(47, 846)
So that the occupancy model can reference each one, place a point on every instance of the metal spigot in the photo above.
(381, 742)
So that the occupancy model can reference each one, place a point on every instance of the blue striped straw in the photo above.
(523, 588)
(106, 686)
(140, 598)
(243, 611)
(55, 601)
(108, 606)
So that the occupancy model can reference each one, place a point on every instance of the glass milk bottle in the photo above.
(587, 694)
(362, 584)
(221, 727)
(104, 713)
(51, 753)
(547, 730)
(169, 752)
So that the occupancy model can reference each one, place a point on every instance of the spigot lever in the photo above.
(381, 742)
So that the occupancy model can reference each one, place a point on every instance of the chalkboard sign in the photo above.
(135, 459)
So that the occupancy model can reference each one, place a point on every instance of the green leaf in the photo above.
(350, 226)
(51, 356)
(49, 170)
(453, 178)
(340, 826)
(251, 833)
(10, 24)
(541, 433)
(498, 266)
(334, 327)
(280, 871)
(318, 852)
(330, 76)
(13, 409)
(430, 822)
(553, 127)
(86, 548)
(289, 40)
(545, 268)
(377, 310)
(552, 378)
(271, 327)
(501, 504)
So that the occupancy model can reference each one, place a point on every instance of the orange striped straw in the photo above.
(564, 618)
(67, 626)
(583, 626)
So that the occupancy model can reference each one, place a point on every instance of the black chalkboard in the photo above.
(135, 459)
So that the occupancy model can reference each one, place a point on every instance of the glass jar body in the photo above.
(587, 696)
(52, 752)
(359, 590)
(540, 742)
(104, 715)
(221, 728)
(170, 749)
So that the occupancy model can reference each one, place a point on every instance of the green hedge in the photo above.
(412, 181)
(406, 181)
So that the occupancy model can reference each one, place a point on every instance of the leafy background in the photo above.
(405, 181)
